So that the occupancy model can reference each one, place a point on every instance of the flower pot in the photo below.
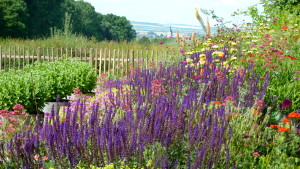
(53, 104)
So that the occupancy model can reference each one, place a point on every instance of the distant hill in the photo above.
(164, 29)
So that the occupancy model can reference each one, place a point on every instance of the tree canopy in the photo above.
(13, 16)
(34, 19)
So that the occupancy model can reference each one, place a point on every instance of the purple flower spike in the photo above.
(286, 103)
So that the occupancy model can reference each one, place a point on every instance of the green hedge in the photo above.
(36, 84)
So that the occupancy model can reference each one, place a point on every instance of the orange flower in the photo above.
(294, 115)
(296, 37)
(217, 103)
(271, 143)
(230, 115)
(236, 114)
(283, 129)
(256, 112)
(284, 27)
(285, 120)
(274, 126)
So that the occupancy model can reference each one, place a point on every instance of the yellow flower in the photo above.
(149, 163)
(218, 53)
(215, 47)
(233, 58)
(202, 56)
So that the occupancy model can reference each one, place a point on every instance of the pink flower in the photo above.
(229, 98)
(182, 51)
(18, 108)
(161, 43)
(45, 158)
(259, 103)
(3, 112)
(255, 154)
(36, 157)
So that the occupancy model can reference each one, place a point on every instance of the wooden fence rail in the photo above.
(110, 61)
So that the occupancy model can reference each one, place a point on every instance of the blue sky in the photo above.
(171, 11)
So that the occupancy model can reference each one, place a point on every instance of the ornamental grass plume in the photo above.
(193, 37)
(183, 41)
(200, 20)
(177, 37)
(207, 27)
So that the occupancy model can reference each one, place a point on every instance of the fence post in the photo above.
(39, 54)
(91, 57)
(132, 57)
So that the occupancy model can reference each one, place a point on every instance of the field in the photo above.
(230, 100)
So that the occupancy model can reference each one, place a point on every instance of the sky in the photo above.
(172, 11)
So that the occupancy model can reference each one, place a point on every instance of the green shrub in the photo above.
(41, 82)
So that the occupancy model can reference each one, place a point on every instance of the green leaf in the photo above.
(275, 117)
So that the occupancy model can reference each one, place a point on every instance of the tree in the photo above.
(43, 15)
(293, 6)
(84, 18)
(117, 28)
(13, 18)
(144, 40)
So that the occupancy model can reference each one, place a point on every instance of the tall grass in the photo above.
(78, 41)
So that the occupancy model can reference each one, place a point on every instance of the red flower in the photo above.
(294, 115)
(284, 27)
(285, 120)
(274, 126)
(291, 57)
(283, 129)
(251, 55)
(217, 103)
(161, 43)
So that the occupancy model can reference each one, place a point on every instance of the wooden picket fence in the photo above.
(109, 61)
